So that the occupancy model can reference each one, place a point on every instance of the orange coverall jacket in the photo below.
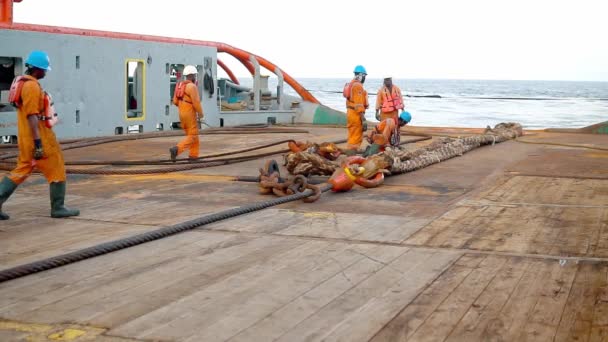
(355, 108)
(189, 106)
(51, 165)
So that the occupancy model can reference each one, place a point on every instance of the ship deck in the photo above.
(507, 242)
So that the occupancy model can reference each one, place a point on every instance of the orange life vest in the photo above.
(180, 89)
(49, 116)
(14, 94)
(392, 100)
(346, 92)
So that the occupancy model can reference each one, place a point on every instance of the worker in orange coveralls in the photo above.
(188, 101)
(38, 146)
(389, 100)
(386, 133)
(356, 104)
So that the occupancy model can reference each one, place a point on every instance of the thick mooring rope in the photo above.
(409, 160)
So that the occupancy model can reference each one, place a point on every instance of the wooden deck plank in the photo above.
(267, 290)
(577, 318)
(448, 315)
(291, 314)
(547, 190)
(543, 323)
(54, 239)
(324, 321)
(436, 232)
(599, 327)
(147, 297)
(535, 230)
(405, 324)
(92, 270)
(270, 299)
(516, 313)
(599, 246)
(54, 288)
(185, 265)
(206, 307)
(324, 224)
(484, 310)
(370, 318)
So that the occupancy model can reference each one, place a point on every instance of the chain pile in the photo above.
(272, 183)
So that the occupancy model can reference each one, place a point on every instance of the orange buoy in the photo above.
(344, 178)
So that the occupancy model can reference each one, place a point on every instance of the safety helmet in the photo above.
(39, 59)
(405, 116)
(387, 76)
(190, 70)
(359, 69)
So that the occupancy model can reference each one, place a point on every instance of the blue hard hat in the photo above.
(359, 69)
(405, 116)
(39, 59)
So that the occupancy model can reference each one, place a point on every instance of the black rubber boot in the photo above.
(7, 187)
(173, 152)
(57, 202)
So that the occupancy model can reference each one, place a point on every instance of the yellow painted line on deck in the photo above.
(24, 327)
(67, 335)
(596, 155)
(52, 332)
(319, 214)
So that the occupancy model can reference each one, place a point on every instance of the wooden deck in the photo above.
(506, 243)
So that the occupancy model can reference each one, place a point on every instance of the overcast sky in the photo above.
(468, 39)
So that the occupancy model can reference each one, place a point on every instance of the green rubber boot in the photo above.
(57, 202)
(371, 150)
(7, 187)
(349, 152)
(173, 153)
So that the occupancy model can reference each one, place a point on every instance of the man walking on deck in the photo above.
(38, 146)
(356, 104)
(188, 101)
(389, 100)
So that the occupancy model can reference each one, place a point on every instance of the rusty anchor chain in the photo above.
(271, 182)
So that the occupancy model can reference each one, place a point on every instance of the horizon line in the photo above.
(438, 78)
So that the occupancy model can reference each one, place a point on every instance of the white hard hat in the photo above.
(190, 70)
(387, 76)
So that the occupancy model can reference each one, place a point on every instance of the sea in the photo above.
(480, 103)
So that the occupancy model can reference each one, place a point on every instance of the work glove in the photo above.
(38, 151)
(370, 138)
